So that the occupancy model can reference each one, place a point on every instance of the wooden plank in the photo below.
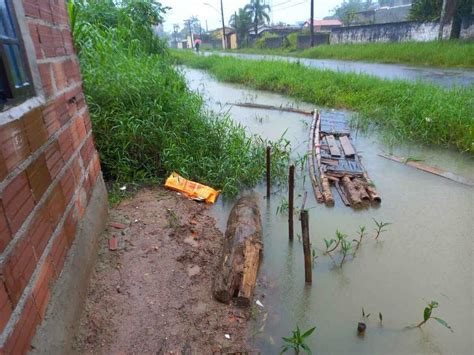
(347, 146)
(333, 148)
(429, 169)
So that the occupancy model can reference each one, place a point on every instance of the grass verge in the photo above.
(453, 53)
(419, 112)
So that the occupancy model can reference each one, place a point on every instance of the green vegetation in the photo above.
(427, 315)
(297, 341)
(379, 229)
(146, 122)
(419, 112)
(453, 53)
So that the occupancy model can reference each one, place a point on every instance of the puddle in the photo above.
(425, 255)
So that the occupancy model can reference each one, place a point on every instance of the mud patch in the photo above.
(153, 294)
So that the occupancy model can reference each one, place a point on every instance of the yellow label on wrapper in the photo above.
(192, 189)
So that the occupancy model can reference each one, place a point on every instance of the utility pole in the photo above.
(224, 46)
(311, 26)
(441, 21)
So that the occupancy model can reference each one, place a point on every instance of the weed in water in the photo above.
(283, 207)
(362, 233)
(427, 315)
(314, 256)
(380, 227)
(297, 341)
(362, 325)
(380, 318)
(339, 238)
(345, 249)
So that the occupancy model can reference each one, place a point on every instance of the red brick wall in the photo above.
(48, 168)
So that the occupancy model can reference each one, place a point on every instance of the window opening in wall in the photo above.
(15, 79)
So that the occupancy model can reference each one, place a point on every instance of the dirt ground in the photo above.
(153, 294)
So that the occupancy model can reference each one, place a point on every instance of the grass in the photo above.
(419, 112)
(453, 53)
(147, 123)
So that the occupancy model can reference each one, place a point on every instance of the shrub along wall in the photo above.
(48, 170)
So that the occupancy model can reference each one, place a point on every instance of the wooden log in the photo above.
(270, 107)
(370, 187)
(324, 183)
(308, 272)
(360, 186)
(351, 192)
(312, 149)
(291, 195)
(237, 274)
(429, 169)
(342, 194)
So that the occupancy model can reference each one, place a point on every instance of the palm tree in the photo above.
(258, 11)
(241, 23)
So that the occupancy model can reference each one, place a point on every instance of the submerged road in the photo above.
(439, 76)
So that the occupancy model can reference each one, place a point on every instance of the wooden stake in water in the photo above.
(308, 274)
(268, 171)
(291, 196)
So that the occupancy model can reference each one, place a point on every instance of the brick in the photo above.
(39, 177)
(45, 11)
(3, 167)
(46, 74)
(87, 122)
(42, 289)
(70, 226)
(20, 339)
(66, 144)
(34, 129)
(59, 252)
(56, 205)
(31, 8)
(36, 40)
(18, 268)
(87, 151)
(59, 76)
(40, 232)
(6, 308)
(50, 118)
(77, 169)
(68, 186)
(54, 159)
(5, 233)
(14, 144)
(18, 201)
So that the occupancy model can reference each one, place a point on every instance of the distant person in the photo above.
(197, 44)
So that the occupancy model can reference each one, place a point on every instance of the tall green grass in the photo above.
(436, 53)
(419, 112)
(147, 123)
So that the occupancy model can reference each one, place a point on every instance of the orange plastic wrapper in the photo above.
(192, 189)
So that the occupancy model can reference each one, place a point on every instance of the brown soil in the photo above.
(153, 294)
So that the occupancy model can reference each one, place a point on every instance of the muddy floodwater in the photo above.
(425, 255)
(440, 76)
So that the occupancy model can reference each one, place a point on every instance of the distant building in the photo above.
(324, 25)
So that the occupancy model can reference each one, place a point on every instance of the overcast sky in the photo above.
(288, 11)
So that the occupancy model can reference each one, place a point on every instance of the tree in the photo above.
(241, 22)
(346, 12)
(430, 10)
(258, 11)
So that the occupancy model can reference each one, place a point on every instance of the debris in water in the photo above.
(333, 160)
(227, 336)
(260, 304)
(113, 243)
(123, 188)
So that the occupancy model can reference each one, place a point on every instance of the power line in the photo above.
(288, 7)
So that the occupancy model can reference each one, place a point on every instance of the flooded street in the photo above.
(425, 255)
(439, 76)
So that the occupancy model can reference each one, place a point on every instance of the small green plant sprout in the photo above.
(362, 325)
(313, 254)
(380, 227)
(380, 318)
(339, 237)
(361, 233)
(427, 315)
(345, 249)
(297, 341)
